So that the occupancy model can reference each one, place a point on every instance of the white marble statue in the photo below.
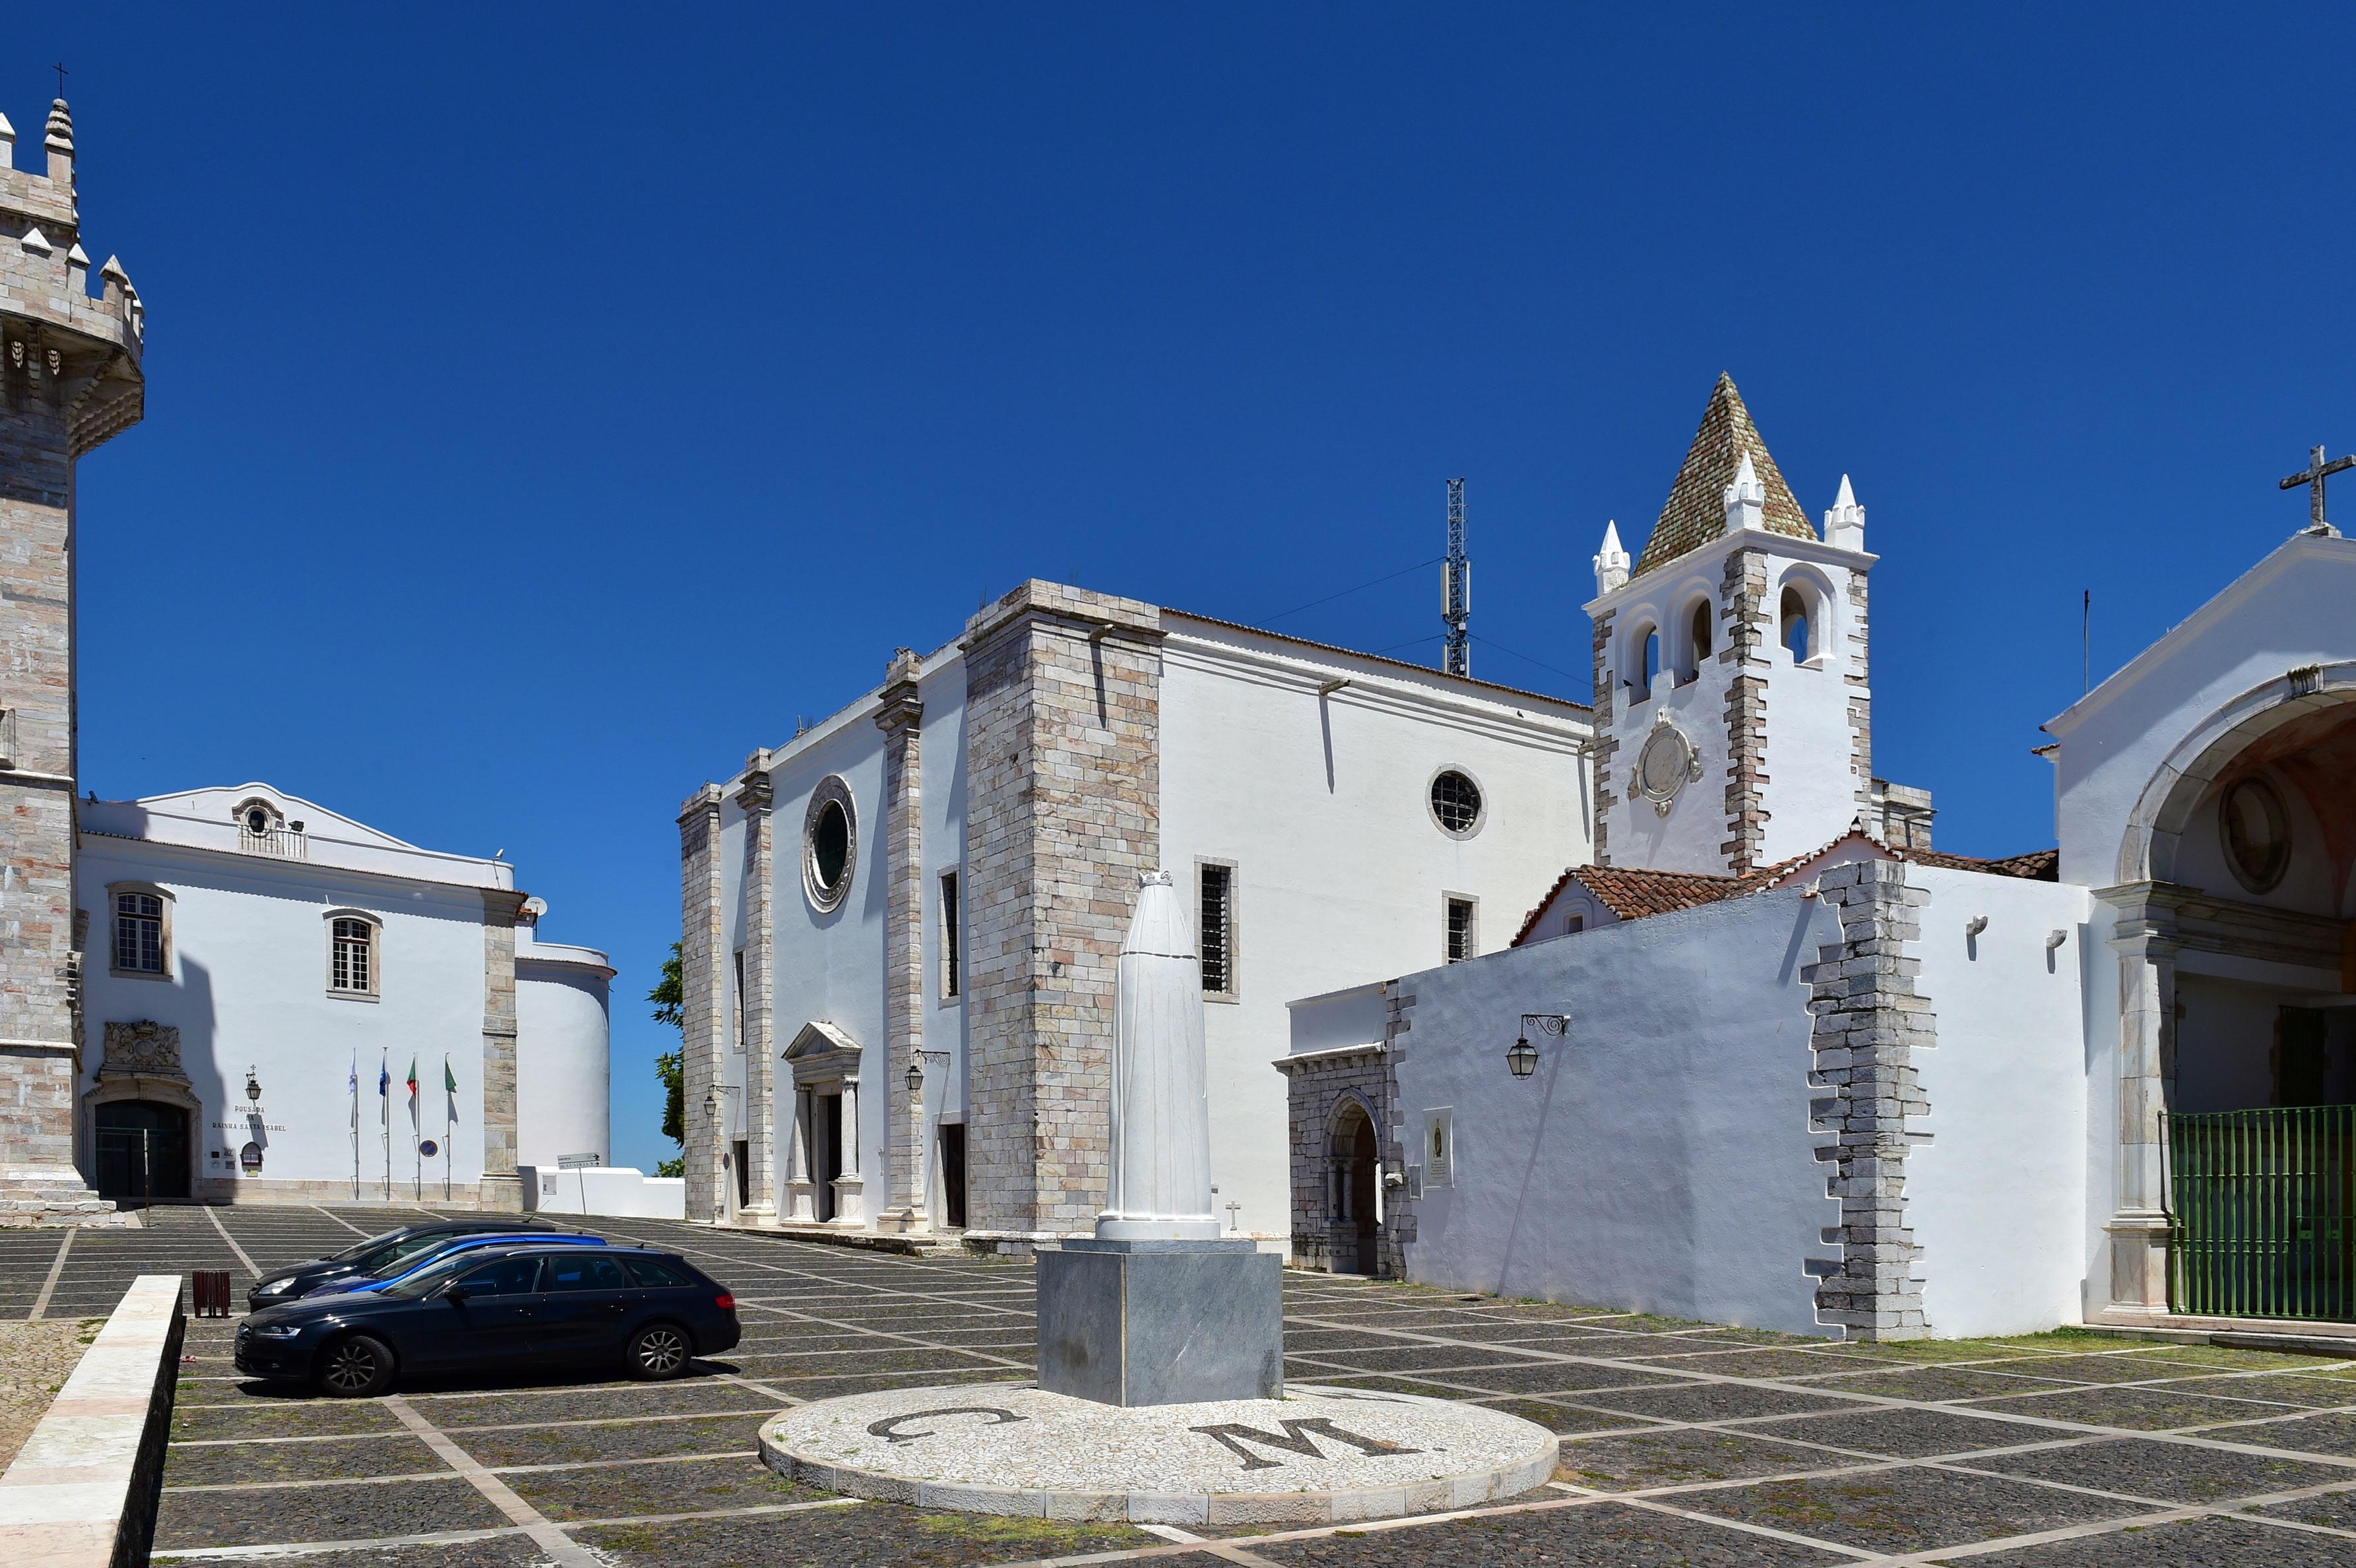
(1161, 1111)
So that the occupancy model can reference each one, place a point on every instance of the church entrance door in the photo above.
(2263, 1212)
(143, 1151)
(1355, 1227)
(828, 1151)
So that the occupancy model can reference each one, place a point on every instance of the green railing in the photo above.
(2262, 1218)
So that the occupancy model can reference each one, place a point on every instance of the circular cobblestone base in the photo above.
(1318, 1455)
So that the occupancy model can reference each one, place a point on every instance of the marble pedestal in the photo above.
(1143, 1323)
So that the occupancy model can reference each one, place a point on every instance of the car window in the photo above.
(654, 1273)
(502, 1276)
(402, 1251)
(363, 1249)
(585, 1271)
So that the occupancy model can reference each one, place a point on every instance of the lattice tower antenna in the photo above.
(1456, 609)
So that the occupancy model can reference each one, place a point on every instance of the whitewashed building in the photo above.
(256, 962)
(901, 925)
(1773, 1060)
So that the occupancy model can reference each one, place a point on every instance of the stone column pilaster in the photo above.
(502, 1186)
(1870, 1017)
(1743, 591)
(851, 1186)
(758, 800)
(704, 1003)
(2145, 940)
(901, 717)
(801, 1192)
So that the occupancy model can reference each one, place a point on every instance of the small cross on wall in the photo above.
(1232, 1208)
(2318, 470)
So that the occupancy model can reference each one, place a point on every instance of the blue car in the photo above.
(418, 1263)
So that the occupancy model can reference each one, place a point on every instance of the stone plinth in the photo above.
(1144, 1323)
(1320, 1456)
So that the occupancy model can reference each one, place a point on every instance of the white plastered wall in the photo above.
(564, 1055)
(1661, 1158)
(1320, 803)
(1996, 1194)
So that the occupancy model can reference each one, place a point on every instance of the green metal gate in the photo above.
(2261, 1219)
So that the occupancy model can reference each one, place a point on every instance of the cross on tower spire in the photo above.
(2318, 470)
(61, 79)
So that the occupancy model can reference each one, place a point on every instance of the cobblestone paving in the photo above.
(1682, 1443)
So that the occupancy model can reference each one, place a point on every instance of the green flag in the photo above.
(450, 1085)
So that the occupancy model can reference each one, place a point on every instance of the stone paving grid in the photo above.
(1682, 1443)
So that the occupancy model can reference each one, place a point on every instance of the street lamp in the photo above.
(1522, 1057)
(252, 1084)
(916, 1078)
(711, 1105)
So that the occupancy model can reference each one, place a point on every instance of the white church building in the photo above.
(1771, 1060)
(263, 975)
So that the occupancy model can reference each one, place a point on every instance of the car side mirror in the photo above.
(453, 1293)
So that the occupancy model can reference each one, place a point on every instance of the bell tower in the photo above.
(1732, 699)
(69, 378)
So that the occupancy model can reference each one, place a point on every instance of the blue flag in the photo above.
(384, 1092)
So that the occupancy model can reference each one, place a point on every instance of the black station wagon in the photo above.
(649, 1312)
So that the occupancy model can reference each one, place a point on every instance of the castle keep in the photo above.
(69, 378)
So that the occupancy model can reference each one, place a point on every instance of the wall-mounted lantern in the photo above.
(916, 1078)
(252, 1084)
(1522, 1057)
(711, 1105)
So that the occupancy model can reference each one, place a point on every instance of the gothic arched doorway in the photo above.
(1353, 1205)
(143, 1151)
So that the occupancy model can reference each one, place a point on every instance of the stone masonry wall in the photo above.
(1870, 1019)
(1063, 789)
(502, 1187)
(1316, 1087)
(901, 718)
(1607, 698)
(702, 946)
(1859, 677)
(756, 797)
(1744, 595)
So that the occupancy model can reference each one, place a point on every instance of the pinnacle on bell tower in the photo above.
(70, 380)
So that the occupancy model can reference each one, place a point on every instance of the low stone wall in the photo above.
(83, 1492)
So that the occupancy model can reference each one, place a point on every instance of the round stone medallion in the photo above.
(1665, 763)
(1317, 1455)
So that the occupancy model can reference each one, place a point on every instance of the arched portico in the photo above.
(2237, 1013)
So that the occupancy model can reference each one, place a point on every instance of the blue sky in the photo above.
(546, 406)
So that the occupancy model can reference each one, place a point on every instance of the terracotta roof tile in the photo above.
(1696, 512)
(2036, 865)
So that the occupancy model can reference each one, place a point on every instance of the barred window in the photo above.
(1456, 802)
(354, 956)
(1219, 930)
(951, 969)
(139, 933)
(1460, 930)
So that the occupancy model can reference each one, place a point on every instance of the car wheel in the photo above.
(355, 1367)
(659, 1350)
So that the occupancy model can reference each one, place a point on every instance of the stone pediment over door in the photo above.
(142, 1050)
(821, 1052)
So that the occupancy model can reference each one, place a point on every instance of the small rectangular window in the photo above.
(1460, 930)
(952, 944)
(1218, 929)
(139, 933)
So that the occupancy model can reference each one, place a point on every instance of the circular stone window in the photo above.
(1665, 765)
(829, 843)
(1456, 803)
(2256, 832)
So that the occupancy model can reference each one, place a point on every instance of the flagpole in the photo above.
(356, 1127)
(384, 1118)
(449, 1091)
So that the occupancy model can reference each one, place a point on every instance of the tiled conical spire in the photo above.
(1695, 513)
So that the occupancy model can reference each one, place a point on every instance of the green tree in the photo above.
(669, 997)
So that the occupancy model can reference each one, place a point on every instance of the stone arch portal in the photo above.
(1354, 1195)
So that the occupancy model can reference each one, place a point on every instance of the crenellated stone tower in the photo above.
(69, 378)
(1733, 700)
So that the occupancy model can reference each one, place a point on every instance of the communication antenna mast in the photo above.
(1456, 611)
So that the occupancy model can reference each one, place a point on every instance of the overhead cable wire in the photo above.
(1361, 588)
(1524, 658)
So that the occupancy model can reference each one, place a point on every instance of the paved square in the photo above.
(1681, 1444)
